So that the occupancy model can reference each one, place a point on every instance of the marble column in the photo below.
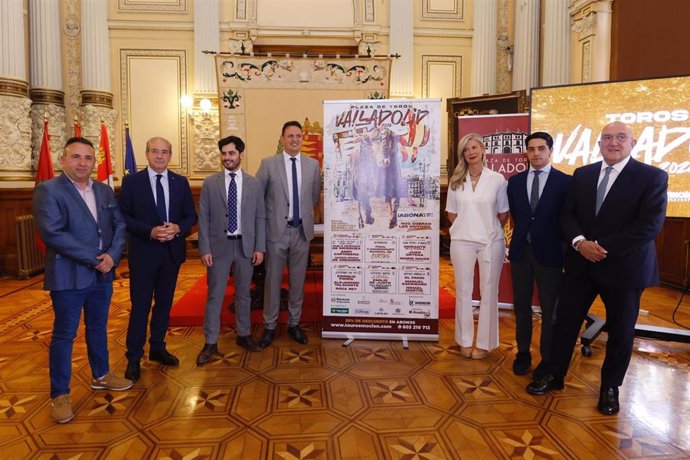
(46, 76)
(96, 92)
(601, 62)
(402, 42)
(206, 122)
(591, 40)
(556, 65)
(15, 126)
(526, 57)
(483, 67)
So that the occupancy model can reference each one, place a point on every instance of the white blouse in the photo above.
(476, 209)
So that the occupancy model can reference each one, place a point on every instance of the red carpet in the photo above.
(189, 310)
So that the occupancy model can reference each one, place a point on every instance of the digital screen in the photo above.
(657, 110)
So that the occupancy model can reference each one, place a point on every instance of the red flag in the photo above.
(44, 171)
(105, 165)
(77, 127)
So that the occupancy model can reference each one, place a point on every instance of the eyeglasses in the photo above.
(620, 137)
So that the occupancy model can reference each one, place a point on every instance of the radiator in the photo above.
(30, 259)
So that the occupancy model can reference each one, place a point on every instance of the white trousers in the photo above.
(464, 254)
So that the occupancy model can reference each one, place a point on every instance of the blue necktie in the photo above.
(534, 196)
(601, 190)
(295, 194)
(160, 200)
(232, 204)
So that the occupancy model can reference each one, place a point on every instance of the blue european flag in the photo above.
(130, 162)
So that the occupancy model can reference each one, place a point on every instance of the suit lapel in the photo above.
(282, 172)
(521, 184)
(76, 197)
(623, 182)
(305, 178)
(147, 191)
(220, 187)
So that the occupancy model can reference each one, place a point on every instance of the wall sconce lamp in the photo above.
(186, 102)
(205, 105)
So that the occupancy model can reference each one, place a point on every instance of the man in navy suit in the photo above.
(536, 197)
(84, 233)
(613, 212)
(158, 208)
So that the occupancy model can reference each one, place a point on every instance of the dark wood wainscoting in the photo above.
(672, 247)
(13, 203)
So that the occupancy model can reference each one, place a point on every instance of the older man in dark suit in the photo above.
(232, 235)
(613, 212)
(84, 233)
(536, 197)
(158, 208)
(291, 183)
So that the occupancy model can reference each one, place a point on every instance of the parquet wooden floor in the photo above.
(371, 400)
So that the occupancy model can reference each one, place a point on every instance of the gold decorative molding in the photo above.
(159, 6)
(16, 178)
(12, 87)
(97, 98)
(47, 96)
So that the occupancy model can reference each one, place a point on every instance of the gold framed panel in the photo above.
(148, 78)
(443, 10)
(444, 71)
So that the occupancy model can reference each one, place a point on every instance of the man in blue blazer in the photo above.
(84, 233)
(158, 208)
(536, 197)
(613, 212)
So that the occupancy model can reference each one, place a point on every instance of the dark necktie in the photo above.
(534, 196)
(232, 204)
(160, 200)
(601, 190)
(295, 194)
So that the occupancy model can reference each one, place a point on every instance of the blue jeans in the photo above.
(67, 306)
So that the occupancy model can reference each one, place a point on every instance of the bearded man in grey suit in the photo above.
(291, 185)
(232, 234)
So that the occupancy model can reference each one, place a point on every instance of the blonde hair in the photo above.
(461, 171)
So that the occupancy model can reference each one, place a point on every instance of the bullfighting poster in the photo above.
(504, 136)
(381, 223)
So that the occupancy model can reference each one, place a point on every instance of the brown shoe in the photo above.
(466, 352)
(61, 409)
(110, 382)
(478, 353)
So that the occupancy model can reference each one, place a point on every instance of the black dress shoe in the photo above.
(133, 371)
(608, 401)
(267, 337)
(544, 384)
(297, 335)
(164, 357)
(522, 363)
(207, 353)
(247, 342)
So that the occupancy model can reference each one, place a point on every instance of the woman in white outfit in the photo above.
(477, 208)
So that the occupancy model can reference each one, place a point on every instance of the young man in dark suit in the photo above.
(613, 212)
(158, 208)
(536, 197)
(84, 233)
